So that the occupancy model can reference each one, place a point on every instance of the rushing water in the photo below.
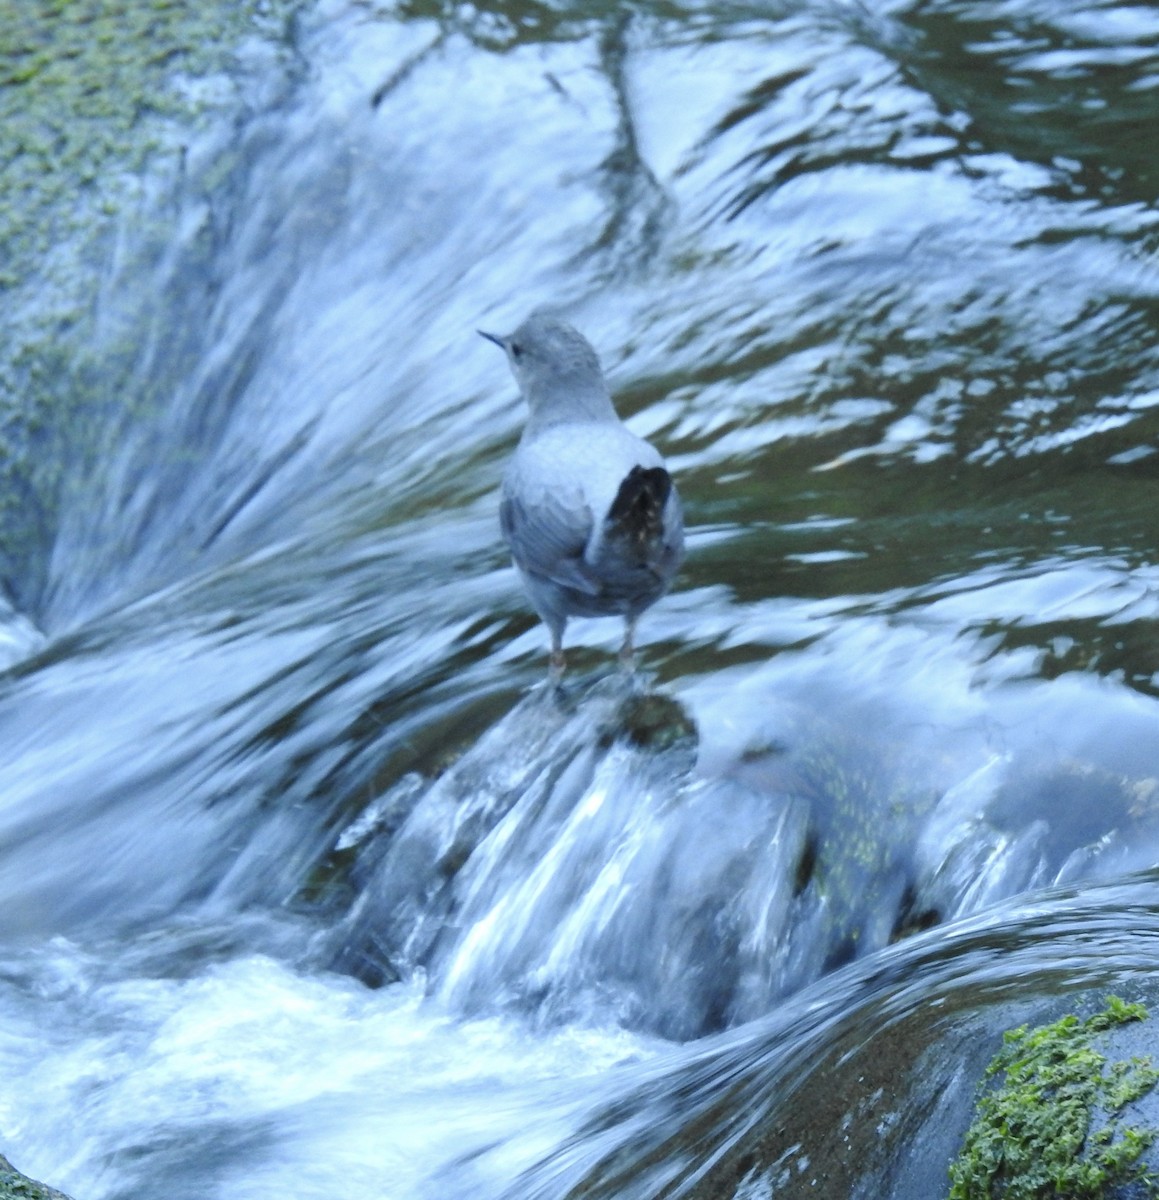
(308, 885)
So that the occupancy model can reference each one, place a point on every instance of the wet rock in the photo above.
(654, 721)
(1010, 827)
(580, 858)
(15, 1186)
(1061, 1116)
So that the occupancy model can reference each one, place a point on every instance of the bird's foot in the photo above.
(628, 649)
(556, 666)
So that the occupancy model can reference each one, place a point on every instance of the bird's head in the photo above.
(552, 362)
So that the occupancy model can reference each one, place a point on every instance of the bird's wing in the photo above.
(548, 532)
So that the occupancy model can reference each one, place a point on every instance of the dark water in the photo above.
(309, 887)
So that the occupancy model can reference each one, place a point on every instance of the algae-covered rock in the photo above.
(101, 102)
(81, 87)
(14, 1186)
(1056, 1119)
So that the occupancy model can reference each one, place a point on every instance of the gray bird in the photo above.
(589, 511)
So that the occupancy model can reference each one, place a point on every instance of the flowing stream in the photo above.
(311, 887)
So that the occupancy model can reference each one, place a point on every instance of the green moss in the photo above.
(863, 809)
(81, 84)
(1032, 1136)
(96, 98)
(15, 1186)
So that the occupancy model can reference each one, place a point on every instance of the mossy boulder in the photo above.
(1059, 1119)
(100, 104)
(14, 1186)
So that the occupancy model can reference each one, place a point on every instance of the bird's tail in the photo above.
(637, 513)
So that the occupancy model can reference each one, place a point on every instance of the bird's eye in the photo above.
(516, 351)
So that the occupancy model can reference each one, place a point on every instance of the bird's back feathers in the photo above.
(587, 509)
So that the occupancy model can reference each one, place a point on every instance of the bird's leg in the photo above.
(557, 663)
(628, 649)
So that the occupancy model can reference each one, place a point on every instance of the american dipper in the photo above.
(589, 512)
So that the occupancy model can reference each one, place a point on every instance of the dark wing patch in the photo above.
(637, 513)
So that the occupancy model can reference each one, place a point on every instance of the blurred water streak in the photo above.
(309, 884)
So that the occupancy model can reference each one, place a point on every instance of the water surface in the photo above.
(309, 885)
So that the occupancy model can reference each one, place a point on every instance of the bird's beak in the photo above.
(493, 337)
